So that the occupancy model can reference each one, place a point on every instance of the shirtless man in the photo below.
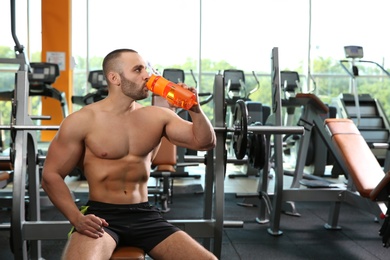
(114, 142)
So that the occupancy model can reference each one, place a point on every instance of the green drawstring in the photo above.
(83, 209)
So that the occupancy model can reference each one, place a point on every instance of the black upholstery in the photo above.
(97, 79)
(233, 77)
(174, 75)
(292, 77)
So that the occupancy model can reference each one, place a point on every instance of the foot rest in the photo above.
(381, 191)
(128, 253)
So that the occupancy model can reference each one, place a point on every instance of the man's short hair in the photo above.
(109, 61)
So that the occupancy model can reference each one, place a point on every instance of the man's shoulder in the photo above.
(83, 112)
(160, 111)
(154, 113)
(153, 108)
(80, 117)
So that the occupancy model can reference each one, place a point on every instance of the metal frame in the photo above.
(310, 119)
(24, 164)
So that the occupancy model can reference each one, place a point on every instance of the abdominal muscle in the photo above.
(118, 181)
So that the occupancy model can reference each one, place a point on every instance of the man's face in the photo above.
(134, 76)
(136, 91)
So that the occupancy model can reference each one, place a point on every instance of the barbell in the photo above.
(13, 128)
(256, 147)
(29, 127)
(8, 158)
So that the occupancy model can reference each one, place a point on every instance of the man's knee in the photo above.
(83, 247)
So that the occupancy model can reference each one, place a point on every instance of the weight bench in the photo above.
(363, 168)
(164, 163)
(128, 253)
(4, 177)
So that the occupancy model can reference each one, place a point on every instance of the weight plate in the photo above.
(257, 148)
(240, 136)
(259, 153)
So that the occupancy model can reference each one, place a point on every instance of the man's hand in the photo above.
(194, 108)
(90, 225)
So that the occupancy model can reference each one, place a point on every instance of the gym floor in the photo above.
(303, 237)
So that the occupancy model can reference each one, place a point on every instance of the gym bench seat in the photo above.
(128, 253)
(382, 190)
(4, 178)
(364, 169)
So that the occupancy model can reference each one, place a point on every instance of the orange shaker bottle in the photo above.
(173, 93)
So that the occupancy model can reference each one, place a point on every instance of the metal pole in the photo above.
(278, 146)
(29, 127)
(219, 174)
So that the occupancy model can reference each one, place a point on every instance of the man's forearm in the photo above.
(203, 130)
(60, 196)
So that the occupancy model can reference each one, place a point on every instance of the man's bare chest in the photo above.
(121, 141)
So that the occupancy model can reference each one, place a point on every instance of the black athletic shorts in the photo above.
(140, 225)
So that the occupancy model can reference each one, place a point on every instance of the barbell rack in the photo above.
(274, 130)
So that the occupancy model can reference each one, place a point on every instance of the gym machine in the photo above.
(366, 174)
(364, 110)
(236, 89)
(313, 113)
(273, 203)
(244, 134)
(98, 82)
(41, 77)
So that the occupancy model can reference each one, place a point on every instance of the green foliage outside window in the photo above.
(329, 77)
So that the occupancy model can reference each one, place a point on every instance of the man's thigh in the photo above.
(84, 247)
(180, 245)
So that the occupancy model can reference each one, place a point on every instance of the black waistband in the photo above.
(142, 205)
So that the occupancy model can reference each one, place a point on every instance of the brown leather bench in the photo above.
(4, 178)
(364, 168)
(128, 253)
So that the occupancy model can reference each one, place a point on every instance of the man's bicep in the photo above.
(64, 153)
(180, 133)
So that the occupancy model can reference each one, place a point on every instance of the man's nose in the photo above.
(146, 75)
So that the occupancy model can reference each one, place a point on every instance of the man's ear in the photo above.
(114, 78)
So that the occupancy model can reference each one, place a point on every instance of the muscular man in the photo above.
(114, 142)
